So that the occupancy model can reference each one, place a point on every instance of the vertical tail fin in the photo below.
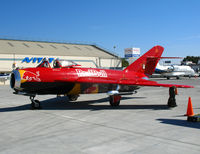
(146, 63)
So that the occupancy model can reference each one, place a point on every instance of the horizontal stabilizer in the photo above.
(171, 57)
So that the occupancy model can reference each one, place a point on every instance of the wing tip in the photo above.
(183, 86)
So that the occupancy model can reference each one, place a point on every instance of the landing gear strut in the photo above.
(114, 100)
(35, 104)
(172, 99)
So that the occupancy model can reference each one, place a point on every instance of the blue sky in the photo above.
(174, 24)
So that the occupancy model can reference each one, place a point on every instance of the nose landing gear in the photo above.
(35, 104)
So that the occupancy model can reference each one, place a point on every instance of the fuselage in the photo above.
(71, 80)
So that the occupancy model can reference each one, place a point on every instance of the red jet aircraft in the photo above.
(72, 80)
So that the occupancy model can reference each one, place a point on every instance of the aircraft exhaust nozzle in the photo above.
(15, 80)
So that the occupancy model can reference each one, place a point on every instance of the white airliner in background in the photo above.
(175, 71)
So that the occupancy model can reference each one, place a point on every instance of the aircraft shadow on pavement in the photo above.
(179, 122)
(62, 103)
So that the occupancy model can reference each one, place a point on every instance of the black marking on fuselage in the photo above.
(41, 88)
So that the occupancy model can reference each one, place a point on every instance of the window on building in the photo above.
(11, 44)
(77, 47)
(65, 47)
(25, 45)
(40, 46)
(88, 48)
(53, 46)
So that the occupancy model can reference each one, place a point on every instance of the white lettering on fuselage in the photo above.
(92, 73)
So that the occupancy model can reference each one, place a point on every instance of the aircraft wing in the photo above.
(144, 82)
(89, 80)
(138, 82)
(97, 80)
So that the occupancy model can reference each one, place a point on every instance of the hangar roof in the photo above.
(23, 47)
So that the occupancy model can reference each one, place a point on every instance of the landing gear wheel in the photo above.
(114, 100)
(172, 100)
(73, 97)
(177, 77)
(35, 104)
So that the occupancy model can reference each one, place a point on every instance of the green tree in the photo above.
(124, 62)
(194, 59)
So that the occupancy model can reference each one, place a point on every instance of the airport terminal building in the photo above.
(22, 53)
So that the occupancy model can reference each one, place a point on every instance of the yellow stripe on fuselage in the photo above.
(76, 90)
(21, 72)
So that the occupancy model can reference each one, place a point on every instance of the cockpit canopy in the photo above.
(58, 63)
(44, 63)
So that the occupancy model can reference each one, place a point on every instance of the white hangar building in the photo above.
(21, 53)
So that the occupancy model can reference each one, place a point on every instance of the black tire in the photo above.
(194, 119)
(112, 103)
(35, 104)
(168, 78)
(73, 97)
(177, 77)
(171, 102)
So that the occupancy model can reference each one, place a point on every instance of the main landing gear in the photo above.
(114, 100)
(172, 99)
(73, 97)
(35, 104)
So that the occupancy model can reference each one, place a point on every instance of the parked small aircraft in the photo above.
(4, 77)
(175, 71)
(68, 78)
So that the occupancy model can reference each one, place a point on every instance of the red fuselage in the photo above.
(73, 80)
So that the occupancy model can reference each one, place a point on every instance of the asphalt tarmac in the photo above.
(141, 124)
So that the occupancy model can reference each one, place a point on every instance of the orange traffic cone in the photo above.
(189, 108)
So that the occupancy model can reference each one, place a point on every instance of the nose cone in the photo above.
(15, 80)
